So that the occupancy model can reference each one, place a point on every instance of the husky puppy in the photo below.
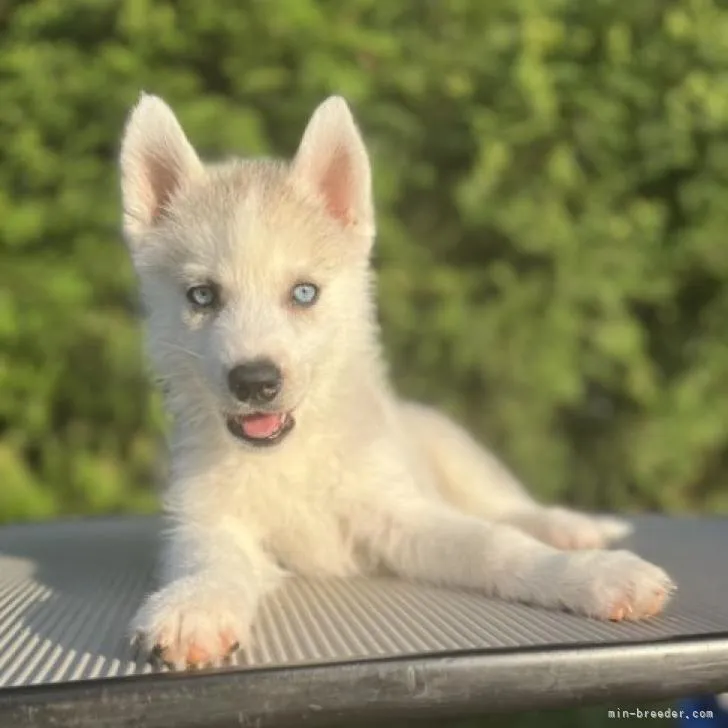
(290, 453)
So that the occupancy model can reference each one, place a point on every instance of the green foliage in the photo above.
(550, 178)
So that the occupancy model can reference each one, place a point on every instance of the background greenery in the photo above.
(551, 180)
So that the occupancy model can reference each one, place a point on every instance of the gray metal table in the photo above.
(329, 652)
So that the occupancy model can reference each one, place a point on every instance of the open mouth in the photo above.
(261, 429)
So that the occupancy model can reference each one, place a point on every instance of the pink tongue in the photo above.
(260, 426)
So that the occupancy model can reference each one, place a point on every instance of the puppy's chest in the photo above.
(294, 510)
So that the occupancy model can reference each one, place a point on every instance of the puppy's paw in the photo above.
(612, 585)
(565, 529)
(191, 623)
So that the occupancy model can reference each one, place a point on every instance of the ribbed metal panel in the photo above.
(69, 589)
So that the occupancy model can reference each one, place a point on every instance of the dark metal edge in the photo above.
(434, 686)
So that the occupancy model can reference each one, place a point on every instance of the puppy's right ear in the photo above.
(156, 160)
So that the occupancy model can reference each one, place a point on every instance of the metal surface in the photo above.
(68, 590)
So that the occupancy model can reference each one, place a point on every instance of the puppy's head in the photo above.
(254, 274)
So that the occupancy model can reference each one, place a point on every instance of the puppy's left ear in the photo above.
(332, 162)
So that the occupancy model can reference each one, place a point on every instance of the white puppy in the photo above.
(290, 452)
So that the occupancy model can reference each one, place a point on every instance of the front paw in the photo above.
(191, 622)
(611, 585)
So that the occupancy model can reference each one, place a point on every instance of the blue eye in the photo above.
(304, 294)
(202, 296)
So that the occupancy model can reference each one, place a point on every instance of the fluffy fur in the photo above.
(364, 481)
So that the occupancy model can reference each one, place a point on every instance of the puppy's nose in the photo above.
(256, 381)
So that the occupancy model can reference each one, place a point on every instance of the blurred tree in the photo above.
(550, 179)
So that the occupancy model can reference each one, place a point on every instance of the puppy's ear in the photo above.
(332, 162)
(156, 160)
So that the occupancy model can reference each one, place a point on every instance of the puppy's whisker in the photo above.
(177, 347)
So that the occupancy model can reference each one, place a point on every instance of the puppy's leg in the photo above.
(568, 529)
(475, 482)
(213, 579)
(430, 542)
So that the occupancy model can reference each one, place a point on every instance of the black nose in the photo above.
(255, 381)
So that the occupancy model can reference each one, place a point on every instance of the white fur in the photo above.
(364, 481)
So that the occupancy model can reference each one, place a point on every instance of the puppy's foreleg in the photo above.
(426, 541)
(214, 575)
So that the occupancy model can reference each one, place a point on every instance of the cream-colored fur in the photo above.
(364, 481)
